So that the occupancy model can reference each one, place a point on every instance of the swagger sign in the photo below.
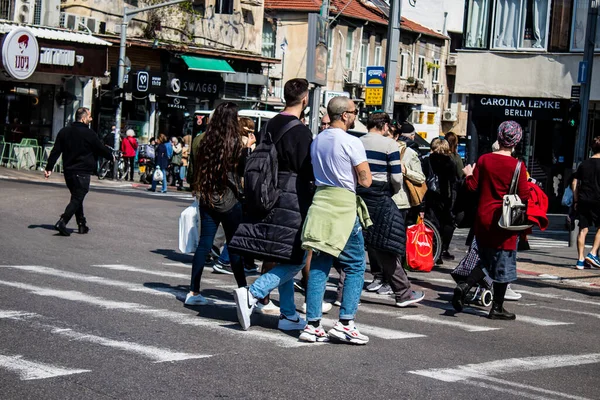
(520, 107)
(20, 53)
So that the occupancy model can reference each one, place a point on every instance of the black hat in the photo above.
(407, 128)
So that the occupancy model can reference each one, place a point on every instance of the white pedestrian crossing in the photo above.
(31, 370)
(447, 322)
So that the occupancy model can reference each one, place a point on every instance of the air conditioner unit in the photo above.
(93, 24)
(24, 11)
(69, 21)
(451, 60)
(414, 117)
(449, 116)
(353, 77)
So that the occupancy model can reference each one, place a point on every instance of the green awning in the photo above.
(207, 64)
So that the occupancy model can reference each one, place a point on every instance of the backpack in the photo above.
(261, 190)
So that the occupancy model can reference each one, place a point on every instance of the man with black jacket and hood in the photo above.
(80, 147)
(277, 236)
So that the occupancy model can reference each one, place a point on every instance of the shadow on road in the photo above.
(174, 255)
(43, 226)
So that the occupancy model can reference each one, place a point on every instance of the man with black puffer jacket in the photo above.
(79, 146)
(276, 236)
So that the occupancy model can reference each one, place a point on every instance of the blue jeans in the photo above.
(282, 277)
(209, 222)
(224, 257)
(182, 172)
(353, 264)
(164, 183)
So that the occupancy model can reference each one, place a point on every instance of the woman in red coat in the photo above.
(492, 176)
(129, 147)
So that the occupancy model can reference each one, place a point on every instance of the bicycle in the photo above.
(437, 240)
(106, 168)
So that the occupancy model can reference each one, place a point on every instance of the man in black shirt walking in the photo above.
(79, 146)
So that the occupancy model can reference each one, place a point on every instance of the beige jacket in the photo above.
(413, 172)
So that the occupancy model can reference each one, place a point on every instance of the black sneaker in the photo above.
(460, 293)
(251, 269)
(83, 229)
(447, 256)
(219, 268)
(61, 227)
(502, 314)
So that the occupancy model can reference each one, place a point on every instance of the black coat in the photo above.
(277, 237)
(388, 232)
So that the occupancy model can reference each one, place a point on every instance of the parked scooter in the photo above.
(146, 163)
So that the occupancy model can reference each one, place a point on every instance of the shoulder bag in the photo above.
(416, 191)
(514, 211)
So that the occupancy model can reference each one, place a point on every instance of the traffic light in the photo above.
(117, 96)
(574, 115)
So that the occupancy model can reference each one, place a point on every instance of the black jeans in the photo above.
(79, 186)
(129, 163)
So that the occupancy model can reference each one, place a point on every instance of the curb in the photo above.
(558, 279)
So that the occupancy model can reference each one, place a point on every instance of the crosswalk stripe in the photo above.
(559, 297)
(382, 333)
(565, 310)
(129, 268)
(540, 321)
(172, 316)
(30, 370)
(156, 354)
(456, 324)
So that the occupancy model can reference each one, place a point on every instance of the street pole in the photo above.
(315, 98)
(127, 15)
(588, 58)
(391, 60)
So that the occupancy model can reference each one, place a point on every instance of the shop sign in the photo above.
(373, 96)
(176, 103)
(144, 82)
(193, 85)
(195, 88)
(375, 77)
(20, 53)
(518, 107)
(60, 57)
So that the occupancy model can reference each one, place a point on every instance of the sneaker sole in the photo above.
(374, 289)
(386, 293)
(592, 263)
(308, 338)
(496, 317)
(268, 312)
(343, 338)
(238, 301)
(409, 302)
(217, 270)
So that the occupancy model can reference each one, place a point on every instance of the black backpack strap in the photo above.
(286, 128)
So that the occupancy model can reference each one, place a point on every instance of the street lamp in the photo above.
(127, 16)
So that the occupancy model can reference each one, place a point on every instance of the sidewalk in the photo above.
(57, 178)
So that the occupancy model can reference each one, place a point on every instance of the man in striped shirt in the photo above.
(386, 256)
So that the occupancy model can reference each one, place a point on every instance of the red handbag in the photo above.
(419, 247)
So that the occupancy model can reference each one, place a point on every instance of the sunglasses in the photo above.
(355, 111)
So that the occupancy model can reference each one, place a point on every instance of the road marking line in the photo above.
(30, 370)
(516, 393)
(172, 316)
(507, 366)
(558, 297)
(4, 314)
(129, 268)
(565, 310)
(532, 388)
(446, 322)
(382, 333)
(540, 321)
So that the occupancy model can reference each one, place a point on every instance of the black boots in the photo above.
(460, 293)
(61, 227)
(498, 312)
(83, 228)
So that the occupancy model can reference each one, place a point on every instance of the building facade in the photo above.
(357, 38)
(519, 60)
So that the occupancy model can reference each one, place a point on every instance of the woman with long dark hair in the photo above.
(218, 167)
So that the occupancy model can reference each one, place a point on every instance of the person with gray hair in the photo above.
(129, 147)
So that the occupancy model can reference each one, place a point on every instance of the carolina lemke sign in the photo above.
(520, 107)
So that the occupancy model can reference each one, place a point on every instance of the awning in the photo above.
(207, 64)
(57, 34)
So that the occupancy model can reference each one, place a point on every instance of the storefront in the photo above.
(548, 140)
(47, 75)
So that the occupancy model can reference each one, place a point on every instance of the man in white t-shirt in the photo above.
(339, 163)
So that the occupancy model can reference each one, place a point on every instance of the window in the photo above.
(580, 16)
(560, 26)
(224, 6)
(377, 59)
(349, 47)
(37, 14)
(268, 40)
(403, 65)
(476, 25)
(521, 24)
(330, 49)
(364, 56)
(5, 9)
(435, 73)
(421, 68)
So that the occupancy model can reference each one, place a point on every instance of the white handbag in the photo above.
(514, 211)
(189, 233)
(158, 175)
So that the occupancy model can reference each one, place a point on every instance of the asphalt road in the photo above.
(101, 316)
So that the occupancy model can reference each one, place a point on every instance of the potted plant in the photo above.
(410, 80)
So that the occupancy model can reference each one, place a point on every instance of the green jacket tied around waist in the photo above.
(331, 218)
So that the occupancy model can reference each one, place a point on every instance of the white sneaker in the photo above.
(312, 335)
(511, 295)
(245, 303)
(268, 309)
(325, 308)
(197, 300)
(347, 333)
(291, 324)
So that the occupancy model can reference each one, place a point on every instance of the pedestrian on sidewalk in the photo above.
(79, 147)
(276, 236)
(161, 161)
(586, 196)
(333, 227)
(221, 160)
(492, 177)
(386, 238)
(129, 148)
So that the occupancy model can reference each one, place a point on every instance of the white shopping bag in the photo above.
(158, 175)
(189, 233)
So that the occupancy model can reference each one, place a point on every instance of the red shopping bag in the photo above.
(419, 247)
